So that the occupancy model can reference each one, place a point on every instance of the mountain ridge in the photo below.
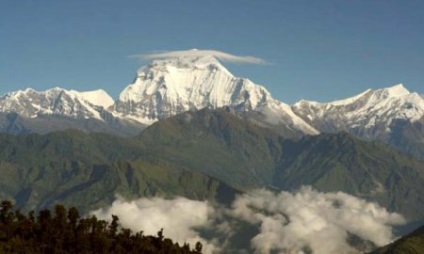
(211, 144)
(171, 86)
(191, 84)
(392, 115)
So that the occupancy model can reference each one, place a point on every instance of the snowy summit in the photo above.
(191, 80)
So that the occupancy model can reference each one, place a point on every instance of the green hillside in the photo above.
(216, 143)
(88, 170)
(410, 244)
(222, 145)
(370, 170)
(202, 155)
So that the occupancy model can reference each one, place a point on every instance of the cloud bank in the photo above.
(200, 53)
(178, 218)
(299, 222)
(311, 220)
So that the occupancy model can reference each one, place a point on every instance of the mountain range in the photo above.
(187, 127)
(168, 87)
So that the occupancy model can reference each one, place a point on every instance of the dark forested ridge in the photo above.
(64, 231)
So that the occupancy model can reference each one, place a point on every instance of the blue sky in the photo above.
(319, 50)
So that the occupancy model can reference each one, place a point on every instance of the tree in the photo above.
(73, 216)
(198, 247)
(113, 227)
(66, 232)
(6, 215)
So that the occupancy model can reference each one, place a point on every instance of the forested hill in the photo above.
(64, 231)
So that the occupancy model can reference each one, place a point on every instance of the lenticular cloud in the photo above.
(199, 53)
(302, 222)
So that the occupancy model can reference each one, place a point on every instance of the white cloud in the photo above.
(178, 218)
(313, 220)
(199, 53)
(286, 222)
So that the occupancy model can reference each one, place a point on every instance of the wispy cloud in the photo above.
(227, 57)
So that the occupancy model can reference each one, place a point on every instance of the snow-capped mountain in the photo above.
(369, 114)
(59, 109)
(168, 87)
(56, 101)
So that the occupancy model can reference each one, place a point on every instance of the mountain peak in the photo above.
(174, 84)
(394, 91)
(180, 78)
(351, 100)
(30, 103)
(98, 97)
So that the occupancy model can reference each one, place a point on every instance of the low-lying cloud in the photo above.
(308, 219)
(178, 217)
(199, 53)
(299, 222)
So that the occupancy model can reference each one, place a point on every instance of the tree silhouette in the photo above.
(65, 232)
